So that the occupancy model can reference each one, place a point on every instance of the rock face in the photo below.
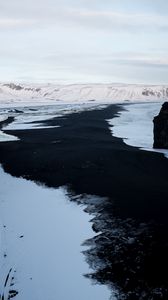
(161, 128)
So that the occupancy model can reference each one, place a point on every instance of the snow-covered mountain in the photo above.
(104, 93)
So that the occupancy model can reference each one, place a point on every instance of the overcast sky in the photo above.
(70, 41)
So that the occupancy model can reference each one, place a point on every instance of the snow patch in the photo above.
(34, 94)
(40, 233)
(135, 125)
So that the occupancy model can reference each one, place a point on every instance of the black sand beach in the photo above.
(83, 155)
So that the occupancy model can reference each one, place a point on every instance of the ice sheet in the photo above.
(33, 117)
(135, 125)
(40, 235)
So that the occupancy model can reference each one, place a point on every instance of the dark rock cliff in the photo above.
(161, 128)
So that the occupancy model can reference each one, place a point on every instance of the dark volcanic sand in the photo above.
(83, 155)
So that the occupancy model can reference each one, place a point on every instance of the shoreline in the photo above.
(83, 155)
(130, 248)
(38, 248)
(135, 126)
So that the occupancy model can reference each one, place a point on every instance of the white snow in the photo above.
(40, 230)
(3, 136)
(40, 235)
(28, 115)
(7, 137)
(53, 100)
(3, 117)
(135, 125)
(35, 94)
(32, 117)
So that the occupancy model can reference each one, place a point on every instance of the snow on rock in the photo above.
(36, 93)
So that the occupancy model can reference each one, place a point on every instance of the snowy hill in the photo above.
(104, 93)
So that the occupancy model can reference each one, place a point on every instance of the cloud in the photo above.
(84, 38)
(49, 13)
(12, 23)
(112, 20)
(107, 62)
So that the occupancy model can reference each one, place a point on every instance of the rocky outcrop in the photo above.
(161, 128)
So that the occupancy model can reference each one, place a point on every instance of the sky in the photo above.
(84, 41)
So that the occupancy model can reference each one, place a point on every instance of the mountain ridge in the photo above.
(104, 93)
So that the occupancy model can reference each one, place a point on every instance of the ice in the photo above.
(33, 117)
(3, 136)
(41, 233)
(7, 137)
(135, 125)
(3, 118)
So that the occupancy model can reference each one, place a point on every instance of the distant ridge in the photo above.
(104, 93)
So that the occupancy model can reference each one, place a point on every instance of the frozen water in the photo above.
(41, 233)
(33, 117)
(135, 125)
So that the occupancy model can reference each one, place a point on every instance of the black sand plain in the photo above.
(132, 218)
